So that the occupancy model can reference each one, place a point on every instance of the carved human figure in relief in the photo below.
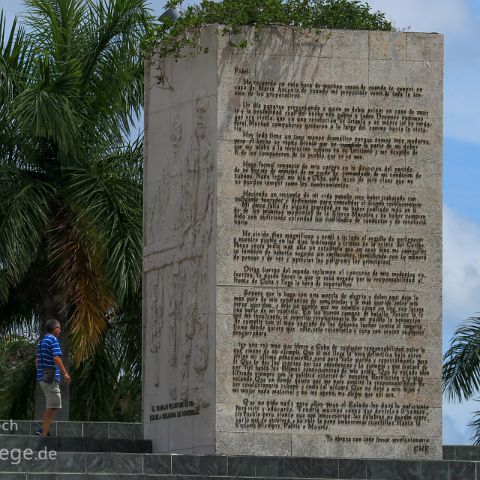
(200, 359)
(174, 287)
(154, 293)
(202, 152)
(196, 212)
(197, 183)
(164, 211)
(155, 310)
(188, 197)
(191, 303)
(171, 183)
(193, 351)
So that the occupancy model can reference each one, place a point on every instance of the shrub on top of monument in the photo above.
(172, 35)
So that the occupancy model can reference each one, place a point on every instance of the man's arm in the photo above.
(59, 364)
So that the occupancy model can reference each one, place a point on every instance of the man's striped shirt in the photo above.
(48, 348)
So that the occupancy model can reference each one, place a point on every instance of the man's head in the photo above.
(53, 327)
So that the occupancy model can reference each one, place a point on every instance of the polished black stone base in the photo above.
(461, 463)
(116, 451)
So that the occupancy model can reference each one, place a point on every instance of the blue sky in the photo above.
(459, 21)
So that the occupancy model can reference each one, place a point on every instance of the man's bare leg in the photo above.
(47, 420)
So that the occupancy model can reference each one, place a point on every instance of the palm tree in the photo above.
(461, 368)
(71, 86)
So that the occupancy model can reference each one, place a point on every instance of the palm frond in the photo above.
(15, 59)
(112, 64)
(475, 424)
(56, 25)
(46, 109)
(107, 198)
(79, 279)
(461, 363)
(108, 384)
(93, 389)
(25, 209)
(126, 328)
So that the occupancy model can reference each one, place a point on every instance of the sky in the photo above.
(459, 21)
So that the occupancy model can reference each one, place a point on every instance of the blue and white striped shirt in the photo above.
(48, 348)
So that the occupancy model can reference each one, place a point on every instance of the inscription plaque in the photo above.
(293, 246)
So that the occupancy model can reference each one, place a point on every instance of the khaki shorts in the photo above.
(53, 399)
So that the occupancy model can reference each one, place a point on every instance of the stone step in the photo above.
(461, 452)
(132, 431)
(113, 430)
(76, 444)
(130, 466)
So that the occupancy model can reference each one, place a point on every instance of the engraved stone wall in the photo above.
(321, 183)
(179, 257)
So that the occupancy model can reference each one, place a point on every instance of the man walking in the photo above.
(49, 365)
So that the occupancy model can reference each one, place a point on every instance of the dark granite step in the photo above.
(76, 444)
(461, 452)
(131, 466)
(113, 430)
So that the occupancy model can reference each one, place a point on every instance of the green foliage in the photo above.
(17, 378)
(71, 87)
(475, 424)
(461, 367)
(170, 38)
(108, 385)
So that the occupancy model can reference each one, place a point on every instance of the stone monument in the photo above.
(292, 257)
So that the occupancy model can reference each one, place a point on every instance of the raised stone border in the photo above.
(75, 444)
(112, 430)
(79, 466)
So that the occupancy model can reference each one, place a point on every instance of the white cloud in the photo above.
(457, 20)
(455, 421)
(442, 16)
(461, 267)
(451, 433)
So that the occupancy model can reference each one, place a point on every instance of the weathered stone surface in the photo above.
(292, 293)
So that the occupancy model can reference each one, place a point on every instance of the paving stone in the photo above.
(185, 464)
(449, 453)
(352, 468)
(297, 467)
(213, 465)
(463, 470)
(157, 464)
(70, 429)
(114, 462)
(95, 430)
(268, 466)
(239, 466)
(324, 468)
(467, 452)
(121, 431)
(435, 470)
(379, 469)
(406, 470)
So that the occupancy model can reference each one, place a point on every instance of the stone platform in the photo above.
(128, 466)
(108, 451)
(131, 466)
